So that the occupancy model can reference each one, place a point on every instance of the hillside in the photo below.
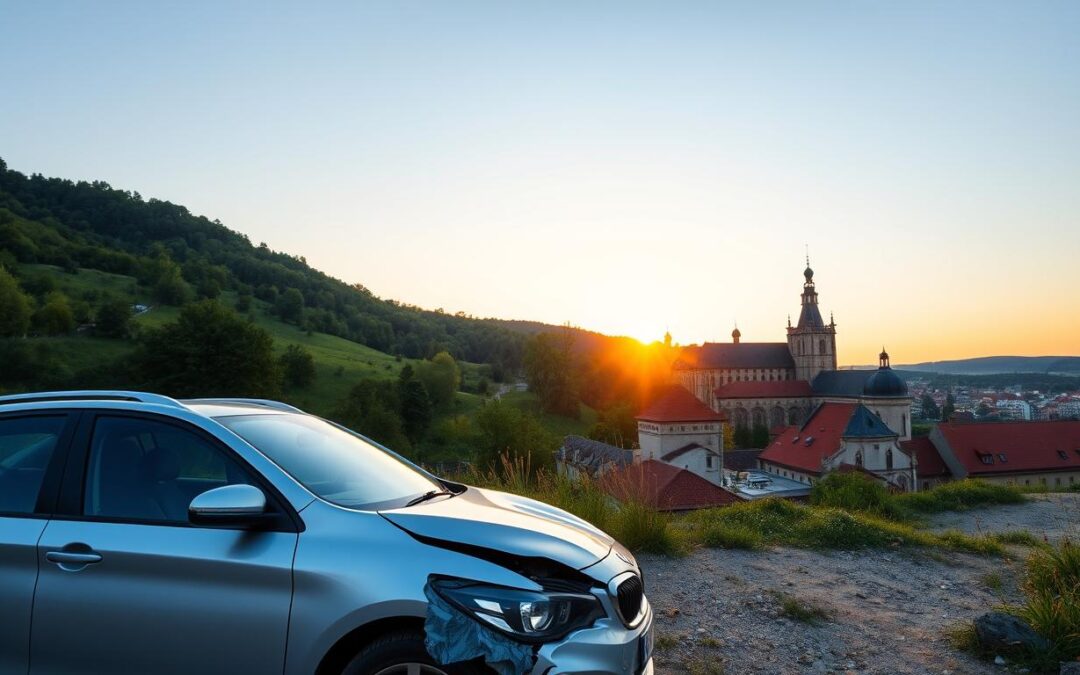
(995, 365)
(72, 251)
(179, 256)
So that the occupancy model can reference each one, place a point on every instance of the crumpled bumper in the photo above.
(604, 648)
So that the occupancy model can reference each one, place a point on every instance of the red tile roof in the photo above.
(1027, 446)
(928, 457)
(676, 404)
(665, 487)
(774, 389)
(804, 448)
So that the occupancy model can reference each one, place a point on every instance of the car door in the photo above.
(32, 447)
(127, 584)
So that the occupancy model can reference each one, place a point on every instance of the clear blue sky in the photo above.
(628, 167)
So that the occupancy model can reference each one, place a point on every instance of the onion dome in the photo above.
(885, 382)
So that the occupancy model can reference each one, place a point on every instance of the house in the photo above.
(582, 456)
(1041, 453)
(679, 429)
(665, 487)
(837, 435)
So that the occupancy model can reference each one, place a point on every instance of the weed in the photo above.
(992, 580)
(666, 642)
(730, 536)
(800, 610)
(709, 641)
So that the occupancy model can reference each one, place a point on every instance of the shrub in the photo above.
(730, 536)
(856, 492)
(959, 496)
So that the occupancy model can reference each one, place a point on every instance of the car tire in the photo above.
(404, 653)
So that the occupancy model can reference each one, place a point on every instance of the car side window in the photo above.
(144, 470)
(26, 446)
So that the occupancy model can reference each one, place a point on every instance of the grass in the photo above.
(637, 526)
(854, 492)
(665, 642)
(801, 610)
(992, 581)
(779, 522)
(1051, 589)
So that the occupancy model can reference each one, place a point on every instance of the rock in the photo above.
(999, 661)
(1070, 668)
(1001, 632)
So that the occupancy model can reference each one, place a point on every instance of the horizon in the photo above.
(629, 172)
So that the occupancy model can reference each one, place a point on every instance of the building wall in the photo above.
(698, 462)
(1048, 479)
(812, 350)
(656, 440)
(895, 413)
(702, 382)
(789, 410)
(786, 472)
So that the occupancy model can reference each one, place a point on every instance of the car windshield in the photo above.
(336, 465)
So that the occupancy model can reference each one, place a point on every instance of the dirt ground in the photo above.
(882, 611)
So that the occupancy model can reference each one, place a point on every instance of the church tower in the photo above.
(812, 342)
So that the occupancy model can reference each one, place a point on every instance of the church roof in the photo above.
(842, 383)
(810, 317)
(736, 355)
(803, 448)
(774, 389)
(676, 404)
(865, 424)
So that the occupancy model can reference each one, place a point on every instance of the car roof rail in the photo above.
(261, 402)
(90, 395)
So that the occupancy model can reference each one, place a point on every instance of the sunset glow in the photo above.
(631, 170)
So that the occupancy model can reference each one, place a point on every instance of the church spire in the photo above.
(736, 334)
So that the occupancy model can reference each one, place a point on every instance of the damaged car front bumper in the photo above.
(608, 646)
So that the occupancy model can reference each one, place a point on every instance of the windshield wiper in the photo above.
(428, 496)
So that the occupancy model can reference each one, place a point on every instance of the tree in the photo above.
(415, 405)
(616, 426)
(930, 409)
(113, 319)
(54, 317)
(441, 377)
(371, 408)
(982, 410)
(505, 430)
(729, 436)
(549, 371)
(742, 436)
(759, 436)
(290, 306)
(14, 307)
(208, 351)
(298, 366)
(949, 408)
(168, 281)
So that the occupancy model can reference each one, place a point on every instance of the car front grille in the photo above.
(630, 592)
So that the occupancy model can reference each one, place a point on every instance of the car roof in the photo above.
(207, 407)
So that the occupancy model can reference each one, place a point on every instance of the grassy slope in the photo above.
(339, 363)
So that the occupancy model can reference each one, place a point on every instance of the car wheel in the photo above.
(402, 653)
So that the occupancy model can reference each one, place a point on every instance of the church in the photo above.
(820, 418)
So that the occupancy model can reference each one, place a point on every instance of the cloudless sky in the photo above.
(627, 167)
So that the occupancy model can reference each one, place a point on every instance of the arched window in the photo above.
(821, 346)
(858, 458)
(888, 459)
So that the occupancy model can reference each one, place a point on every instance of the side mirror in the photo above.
(228, 505)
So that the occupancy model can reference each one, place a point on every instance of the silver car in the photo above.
(140, 534)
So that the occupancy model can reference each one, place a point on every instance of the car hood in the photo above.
(504, 522)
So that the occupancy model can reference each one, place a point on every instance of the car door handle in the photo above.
(64, 558)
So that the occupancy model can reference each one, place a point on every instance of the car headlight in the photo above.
(526, 616)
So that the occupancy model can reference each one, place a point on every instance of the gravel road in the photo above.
(885, 611)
